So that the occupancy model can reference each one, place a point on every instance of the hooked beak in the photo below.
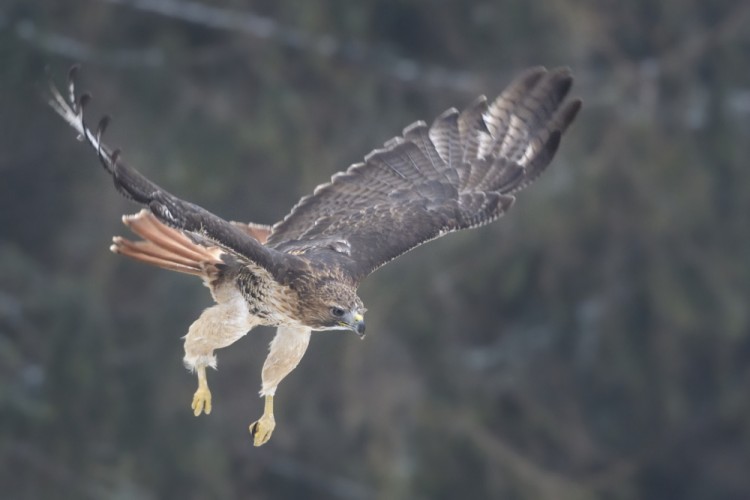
(358, 325)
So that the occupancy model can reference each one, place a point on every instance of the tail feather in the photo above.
(165, 247)
(148, 227)
(149, 253)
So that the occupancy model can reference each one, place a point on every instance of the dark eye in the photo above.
(337, 311)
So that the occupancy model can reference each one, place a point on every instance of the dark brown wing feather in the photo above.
(243, 242)
(459, 173)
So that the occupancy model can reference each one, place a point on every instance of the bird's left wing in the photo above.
(459, 173)
(238, 239)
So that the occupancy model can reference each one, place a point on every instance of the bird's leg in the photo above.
(218, 326)
(202, 396)
(287, 348)
(262, 428)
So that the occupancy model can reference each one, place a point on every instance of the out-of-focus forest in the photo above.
(593, 344)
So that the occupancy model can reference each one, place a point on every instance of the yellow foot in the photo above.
(262, 429)
(202, 397)
(201, 401)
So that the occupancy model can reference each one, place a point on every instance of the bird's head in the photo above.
(335, 306)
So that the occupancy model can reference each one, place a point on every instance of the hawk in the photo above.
(301, 274)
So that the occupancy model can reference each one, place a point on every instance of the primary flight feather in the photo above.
(302, 273)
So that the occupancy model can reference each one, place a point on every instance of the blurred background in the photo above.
(593, 344)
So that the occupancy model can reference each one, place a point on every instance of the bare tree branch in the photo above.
(73, 49)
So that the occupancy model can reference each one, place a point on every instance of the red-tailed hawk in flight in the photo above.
(302, 273)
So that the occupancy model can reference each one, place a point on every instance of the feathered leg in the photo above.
(286, 351)
(218, 326)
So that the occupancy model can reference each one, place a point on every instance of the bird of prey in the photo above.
(301, 274)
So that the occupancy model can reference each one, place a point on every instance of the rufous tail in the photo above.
(164, 246)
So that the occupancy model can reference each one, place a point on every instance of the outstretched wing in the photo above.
(238, 239)
(459, 173)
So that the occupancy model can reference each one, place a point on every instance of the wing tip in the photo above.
(448, 113)
(569, 113)
(419, 124)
